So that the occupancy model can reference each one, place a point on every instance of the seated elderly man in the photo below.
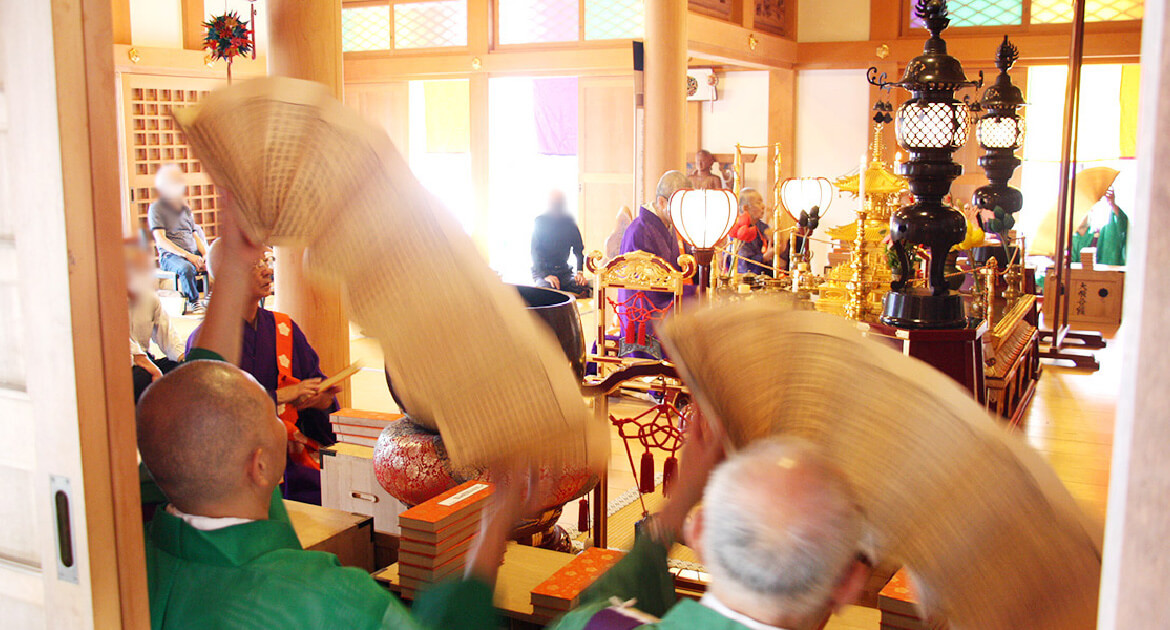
(779, 535)
(756, 253)
(652, 231)
(180, 242)
(223, 553)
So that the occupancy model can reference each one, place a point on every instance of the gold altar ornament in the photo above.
(855, 288)
(133, 54)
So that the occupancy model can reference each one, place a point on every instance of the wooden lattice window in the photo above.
(539, 21)
(152, 139)
(438, 24)
(979, 13)
(1012, 12)
(1061, 11)
(614, 19)
(365, 27)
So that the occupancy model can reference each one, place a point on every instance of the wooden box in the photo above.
(348, 536)
(1096, 296)
(348, 483)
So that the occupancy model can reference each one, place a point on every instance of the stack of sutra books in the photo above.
(357, 426)
(562, 591)
(897, 602)
(437, 534)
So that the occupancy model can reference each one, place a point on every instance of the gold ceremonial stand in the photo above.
(855, 288)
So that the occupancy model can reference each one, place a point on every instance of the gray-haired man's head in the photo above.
(670, 183)
(780, 533)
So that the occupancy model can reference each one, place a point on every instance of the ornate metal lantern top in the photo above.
(1003, 95)
(934, 70)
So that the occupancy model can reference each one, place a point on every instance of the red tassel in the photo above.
(646, 474)
(583, 514)
(669, 475)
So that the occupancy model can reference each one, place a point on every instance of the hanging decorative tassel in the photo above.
(583, 514)
(646, 473)
(669, 475)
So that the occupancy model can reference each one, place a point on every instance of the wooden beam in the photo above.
(192, 14)
(1122, 45)
(120, 14)
(730, 43)
(378, 67)
(182, 62)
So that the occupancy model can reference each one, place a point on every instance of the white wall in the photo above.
(156, 23)
(832, 133)
(739, 116)
(832, 20)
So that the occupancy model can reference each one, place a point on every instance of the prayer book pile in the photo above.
(562, 592)
(897, 603)
(437, 534)
(357, 426)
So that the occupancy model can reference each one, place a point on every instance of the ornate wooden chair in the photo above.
(626, 314)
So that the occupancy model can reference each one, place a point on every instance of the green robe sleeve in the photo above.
(642, 575)
(1079, 242)
(1112, 239)
(456, 605)
(200, 354)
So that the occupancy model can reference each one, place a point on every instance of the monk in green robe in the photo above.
(1110, 239)
(779, 536)
(223, 553)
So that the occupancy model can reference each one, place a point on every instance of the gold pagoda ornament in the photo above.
(855, 288)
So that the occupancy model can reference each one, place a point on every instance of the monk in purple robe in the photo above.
(300, 401)
(651, 231)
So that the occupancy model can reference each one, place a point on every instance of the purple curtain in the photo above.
(555, 111)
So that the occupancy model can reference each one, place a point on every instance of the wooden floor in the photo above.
(1070, 422)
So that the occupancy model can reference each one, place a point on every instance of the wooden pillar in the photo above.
(192, 14)
(781, 123)
(120, 14)
(305, 43)
(1135, 571)
(665, 86)
(478, 44)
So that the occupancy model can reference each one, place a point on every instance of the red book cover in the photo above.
(363, 418)
(450, 506)
(435, 542)
(562, 590)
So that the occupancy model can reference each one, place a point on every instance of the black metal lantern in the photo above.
(1000, 131)
(930, 127)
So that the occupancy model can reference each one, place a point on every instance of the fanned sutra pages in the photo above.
(464, 355)
(993, 539)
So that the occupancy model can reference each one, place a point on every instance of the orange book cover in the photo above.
(348, 415)
(433, 573)
(450, 506)
(434, 543)
(898, 597)
(432, 557)
(561, 591)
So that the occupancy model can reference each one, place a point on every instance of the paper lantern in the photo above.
(702, 217)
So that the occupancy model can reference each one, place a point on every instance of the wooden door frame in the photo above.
(87, 120)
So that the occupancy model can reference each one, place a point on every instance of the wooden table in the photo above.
(347, 535)
(523, 569)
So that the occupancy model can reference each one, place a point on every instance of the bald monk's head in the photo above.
(210, 437)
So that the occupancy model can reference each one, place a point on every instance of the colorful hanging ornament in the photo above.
(228, 36)
(646, 473)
